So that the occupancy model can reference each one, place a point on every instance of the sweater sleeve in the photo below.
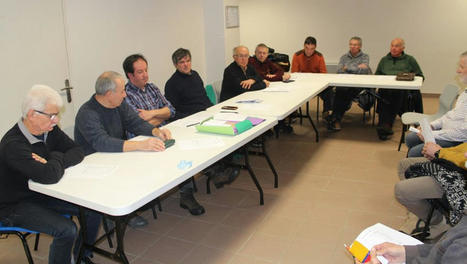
(322, 65)
(379, 69)
(19, 158)
(418, 254)
(415, 67)
(72, 153)
(93, 132)
(276, 70)
(133, 123)
(455, 154)
(295, 63)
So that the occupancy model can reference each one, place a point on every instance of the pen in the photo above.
(192, 124)
(229, 112)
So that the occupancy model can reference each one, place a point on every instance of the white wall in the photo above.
(232, 35)
(102, 33)
(434, 31)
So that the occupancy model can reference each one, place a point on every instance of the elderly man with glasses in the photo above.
(36, 149)
(240, 77)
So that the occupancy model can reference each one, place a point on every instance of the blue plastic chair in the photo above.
(22, 233)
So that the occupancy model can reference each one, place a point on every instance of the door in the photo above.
(32, 51)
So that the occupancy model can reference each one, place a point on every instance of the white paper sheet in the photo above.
(426, 131)
(200, 143)
(380, 233)
(192, 120)
(90, 171)
(229, 117)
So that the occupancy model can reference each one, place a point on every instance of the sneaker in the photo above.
(327, 115)
(137, 221)
(188, 201)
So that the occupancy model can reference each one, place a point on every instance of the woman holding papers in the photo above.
(451, 248)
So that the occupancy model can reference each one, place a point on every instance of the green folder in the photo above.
(231, 130)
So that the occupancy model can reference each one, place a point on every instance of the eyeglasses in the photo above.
(243, 56)
(51, 116)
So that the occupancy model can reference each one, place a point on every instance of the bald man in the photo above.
(240, 77)
(395, 100)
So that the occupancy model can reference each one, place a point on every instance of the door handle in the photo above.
(68, 90)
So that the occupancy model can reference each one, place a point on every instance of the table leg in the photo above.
(253, 176)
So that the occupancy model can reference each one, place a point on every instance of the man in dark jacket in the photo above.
(395, 101)
(37, 149)
(240, 77)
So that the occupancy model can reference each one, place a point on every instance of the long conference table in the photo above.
(117, 184)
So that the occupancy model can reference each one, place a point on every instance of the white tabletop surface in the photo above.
(281, 99)
(120, 183)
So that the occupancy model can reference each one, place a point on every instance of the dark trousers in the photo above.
(327, 96)
(343, 100)
(45, 215)
(396, 102)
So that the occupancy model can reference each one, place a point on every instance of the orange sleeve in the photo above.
(322, 65)
(295, 63)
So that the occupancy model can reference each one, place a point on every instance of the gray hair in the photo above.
(38, 97)
(464, 54)
(239, 47)
(359, 39)
(107, 82)
(180, 54)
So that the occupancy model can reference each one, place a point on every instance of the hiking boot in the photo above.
(188, 201)
(225, 176)
(384, 133)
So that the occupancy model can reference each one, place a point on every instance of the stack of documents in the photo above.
(228, 124)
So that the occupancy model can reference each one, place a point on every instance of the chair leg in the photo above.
(402, 140)
(22, 237)
(36, 242)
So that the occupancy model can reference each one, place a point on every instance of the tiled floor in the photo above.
(328, 192)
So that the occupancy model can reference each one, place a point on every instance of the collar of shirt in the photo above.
(30, 137)
(130, 86)
(356, 56)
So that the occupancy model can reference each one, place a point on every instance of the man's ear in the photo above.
(30, 113)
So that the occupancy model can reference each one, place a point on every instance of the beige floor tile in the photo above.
(168, 250)
(165, 223)
(190, 230)
(269, 248)
(240, 259)
(205, 255)
(304, 251)
(227, 238)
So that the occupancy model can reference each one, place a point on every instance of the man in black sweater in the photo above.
(240, 77)
(185, 91)
(38, 150)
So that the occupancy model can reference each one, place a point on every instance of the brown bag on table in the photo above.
(405, 76)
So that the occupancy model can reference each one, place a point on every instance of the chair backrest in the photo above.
(447, 99)
(216, 87)
(211, 93)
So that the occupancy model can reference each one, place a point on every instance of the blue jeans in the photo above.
(415, 145)
(45, 215)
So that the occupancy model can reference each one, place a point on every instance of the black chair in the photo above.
(422, 232)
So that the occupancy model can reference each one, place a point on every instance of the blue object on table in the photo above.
(184, 164)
